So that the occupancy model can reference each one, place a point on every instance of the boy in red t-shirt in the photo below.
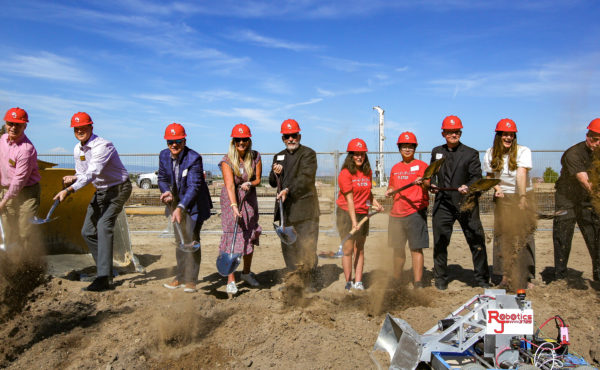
(408, 217)
(354, 201)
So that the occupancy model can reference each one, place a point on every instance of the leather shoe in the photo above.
(440, 285)
(100, 284)
(484, 285)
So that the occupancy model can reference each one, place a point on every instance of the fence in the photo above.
(329, 164)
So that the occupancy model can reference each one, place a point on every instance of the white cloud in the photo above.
(46, 66)
(165, 99)
(269, 42)
(402, 69)
(58, 150)
(346, 65)
(308, 102)
(559, 77)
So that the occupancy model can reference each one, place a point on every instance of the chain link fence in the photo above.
(546, 166)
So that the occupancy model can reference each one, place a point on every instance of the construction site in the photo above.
(48, 322)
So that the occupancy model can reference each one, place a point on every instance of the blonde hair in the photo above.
(234, 159)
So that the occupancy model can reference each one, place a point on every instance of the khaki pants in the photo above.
(17, 215)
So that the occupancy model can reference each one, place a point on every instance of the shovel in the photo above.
(340, 252)
(39, 221)
(227, 263)
(431, 170)
(183, 246)
(480, 185)
(3, 244)
(286, 234)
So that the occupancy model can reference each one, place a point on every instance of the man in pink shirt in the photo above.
(19, 179)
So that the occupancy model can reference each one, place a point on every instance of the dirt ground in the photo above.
(141, 325)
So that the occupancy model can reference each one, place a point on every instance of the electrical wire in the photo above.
(499, 353)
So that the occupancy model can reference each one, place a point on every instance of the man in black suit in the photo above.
(296, 167)
(460, 170)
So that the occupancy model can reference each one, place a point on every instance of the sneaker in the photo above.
(100, 284)
(348, 286)
(359, 285)
(189, 288)
(173, 285)
(232, 288)
(418, 285)
(250, 278)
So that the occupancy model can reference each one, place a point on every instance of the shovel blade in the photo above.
(40, 221)
(227, 263)
(189, 247)
(286, 234)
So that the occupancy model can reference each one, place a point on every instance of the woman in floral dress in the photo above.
(242, 169)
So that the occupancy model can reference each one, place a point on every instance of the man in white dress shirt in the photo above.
(97, 161)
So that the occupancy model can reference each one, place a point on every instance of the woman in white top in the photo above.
(514, 214)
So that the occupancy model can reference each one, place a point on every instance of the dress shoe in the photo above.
(484, 285)
(440, 285)
(100, 284)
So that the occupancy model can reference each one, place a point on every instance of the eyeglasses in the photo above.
(241, 139)
(455, 132)
(171, 142)
(287, 136)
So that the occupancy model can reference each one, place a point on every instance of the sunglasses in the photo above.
(13, 124)
(241, 139)
(287, 136)
(171, 142)
(456, 132)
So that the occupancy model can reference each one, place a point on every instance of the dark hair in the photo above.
(349, 164)
(498, 152)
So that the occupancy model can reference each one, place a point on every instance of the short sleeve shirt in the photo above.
(508, 178)
(413, 199)
(360, 185)
(576, 159)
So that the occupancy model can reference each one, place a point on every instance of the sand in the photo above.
(141, 325)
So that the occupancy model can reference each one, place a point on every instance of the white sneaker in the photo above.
(348, 286)
(250, 279)
(358, 285)
(232, 288)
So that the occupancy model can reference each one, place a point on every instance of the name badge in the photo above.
(414, 168)
(438, 155)
(184, 173)
(12, 163)
(280, 157)
(82, 158)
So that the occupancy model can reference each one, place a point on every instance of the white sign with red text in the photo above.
(509, 321)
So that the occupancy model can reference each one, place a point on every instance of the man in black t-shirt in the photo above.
(573, 194)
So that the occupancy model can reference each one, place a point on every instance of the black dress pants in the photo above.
(443, 223)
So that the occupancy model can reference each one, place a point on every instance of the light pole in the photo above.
(379, 167)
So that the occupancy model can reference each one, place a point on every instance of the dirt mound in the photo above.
(20, 273)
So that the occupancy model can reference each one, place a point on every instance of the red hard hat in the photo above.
(16, 115)
(241, 130)
(357, 145)
(506, 125)
(290, 126)
(81, 119)
(407, 138)
(174, 132)
(451, 123)
(594, 125)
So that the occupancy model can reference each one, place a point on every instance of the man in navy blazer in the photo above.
(460, 170)
(184, 191)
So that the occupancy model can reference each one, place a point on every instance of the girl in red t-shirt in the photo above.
(354, 201)
(408, 218)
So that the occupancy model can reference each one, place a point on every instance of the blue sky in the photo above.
(136, 66)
